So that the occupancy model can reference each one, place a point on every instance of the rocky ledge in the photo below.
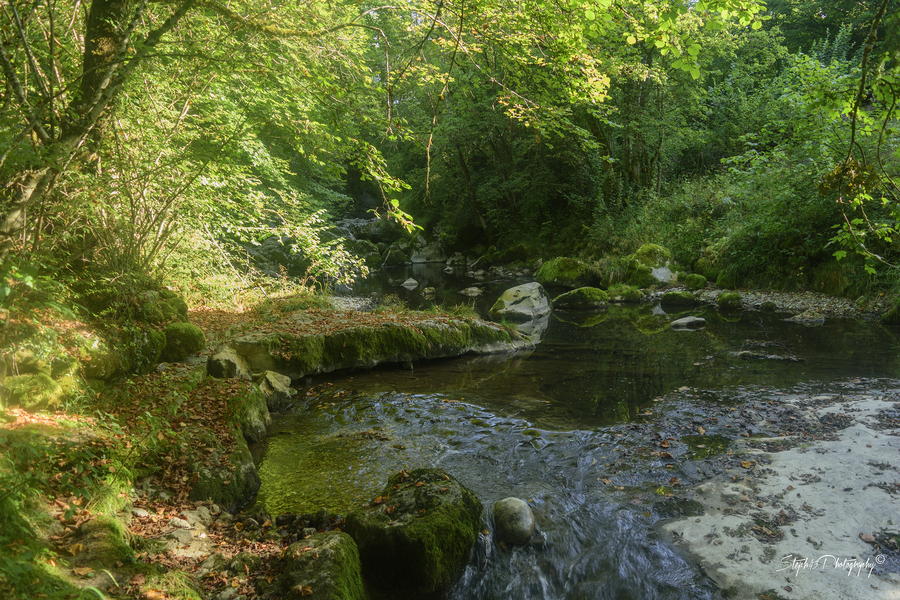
(312, 342)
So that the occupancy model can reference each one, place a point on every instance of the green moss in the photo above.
(182, 339)
(730, 301)
(424, 545)
(568, 272)
(639, 275)
(141, 348)
(625, 293)
(705, 446)
(652, 255)
(229, 483)
(35, 391)
(332, 570)
(768, 306)
(681, 298)
(695, 281)
(586, 297)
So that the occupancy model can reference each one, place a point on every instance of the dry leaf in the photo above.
(306, 590)
(665, 455)
(869, 539)
(607, 481)
(673, 481)
(389, 509)
(700, 430)
(420, 483)
(747, 464)
(378, 500)
(75, 549)
(83, 571)
(664, 444)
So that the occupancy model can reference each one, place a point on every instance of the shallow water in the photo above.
(550, 426)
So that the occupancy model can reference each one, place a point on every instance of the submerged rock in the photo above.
(416, 535)
(513, 521)
(688, 323)
(522, 303)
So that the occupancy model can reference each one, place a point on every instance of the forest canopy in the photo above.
(152, 139)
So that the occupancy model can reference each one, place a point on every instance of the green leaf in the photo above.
(840, 254)
(695, 72)
(589, 15)
(631, 40)
(756, 25)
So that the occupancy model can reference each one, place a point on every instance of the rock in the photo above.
(179, 523)
(250, 410)
(35, 391)
(522, 303)
(472, 292)
(535, 328)
(227, 477)
(810, 318)
(394, 257)
(688, 323)
(652, 260)
(200, 516)
(157, 307)
(214, 563)
(428, 292)
(568, 272)
(768, 306)
(277, 390)
(513, 521)
(182, 339)
(417, 538)
(681, 298)
(226, 363)
(457, 260)
(181, 536)
(410, 284)
(585, 297)
(695, 281)
(626, 293)
(428, 252)
(325, 565)
(730, 301)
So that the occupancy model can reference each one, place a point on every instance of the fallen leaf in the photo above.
(869, 539)
(420, 483)
(75, 549)
(83, 571)
(389, 509)
(665, 455)
(664, 444)
(700, 430)
(607, 481)
(673, 481)
(747, 464)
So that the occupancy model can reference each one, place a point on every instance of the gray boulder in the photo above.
(513, 521)
(226, 363)
(277, 390)
(522, 303)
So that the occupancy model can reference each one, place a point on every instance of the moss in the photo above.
(678, 299)
(142, 348)
(332, 569)
(568, 272)
(625, 293)
(652, 255)
(695, 281)
(229, 482)
(586, 297)
(768, 306)
(183, 339)
(639, 275)
(99, 360)
(34, 391)
(425, 543)
(730, 301)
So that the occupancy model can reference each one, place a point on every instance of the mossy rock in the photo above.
(328, 564)
(99, 359)
(248, 409)
(34, 391)
(568, 272)
(768, 306)
(141, 348)
(183, 339)
(626, 293)
(695, 281)
(417, 535)
(586, 297)
(395, 257)
(730, 301)
(639, 275)
(652, 255)
(227, 477)
(680, 298)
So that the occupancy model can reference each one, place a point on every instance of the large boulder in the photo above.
(277, 390)
(423, 251)
(416, 536)
(568, 272)
(226, 363)
(730, 301)
(522, 303)
(182, 339)
(678, 298)
(325, 565)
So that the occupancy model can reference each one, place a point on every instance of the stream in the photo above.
(562, 426)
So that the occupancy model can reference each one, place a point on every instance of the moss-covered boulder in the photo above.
(891, 317)
(325, 565)
(568, 272)
(626, 293)
(394, 257)
(680, 298)
(249, 410)
(277, 390)
(183, 339)
(33, 391)
(415, 537)
(157, 307)
(729, 301)
(695, 281)
(586, 297)
(652, 255)
(99, 359)
(227, 475)
(140, 348)
(522, 303)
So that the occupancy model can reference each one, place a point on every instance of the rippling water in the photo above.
(547, 426)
